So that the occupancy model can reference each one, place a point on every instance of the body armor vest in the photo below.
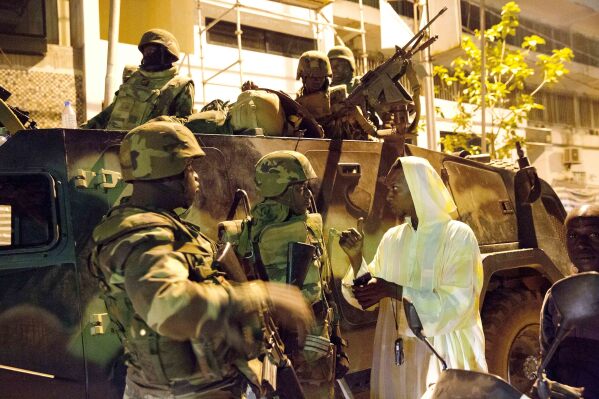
(317, 103)
(145, 95)
(151, 357)
(272, 245)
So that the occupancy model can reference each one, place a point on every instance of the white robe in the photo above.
(440, 269)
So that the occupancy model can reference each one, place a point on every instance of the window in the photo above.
(265, 41)
(27, 212)
(23, 25)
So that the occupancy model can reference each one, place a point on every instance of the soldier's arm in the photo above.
(100, 121)
(157, 282)
(183, 104)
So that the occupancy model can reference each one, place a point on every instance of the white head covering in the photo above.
(432, 201)
(434, 208)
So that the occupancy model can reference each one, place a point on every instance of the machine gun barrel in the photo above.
(420, 33)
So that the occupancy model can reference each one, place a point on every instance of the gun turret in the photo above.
(380, 87)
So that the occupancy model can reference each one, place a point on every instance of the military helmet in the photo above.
(162, 37)
(313, 64)
(344, 53)
(277, 170)
(156, 150)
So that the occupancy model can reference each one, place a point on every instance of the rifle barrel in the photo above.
(425, 27)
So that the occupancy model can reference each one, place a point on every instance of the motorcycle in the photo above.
(577, 300)
(460, 384)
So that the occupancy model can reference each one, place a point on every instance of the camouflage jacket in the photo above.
(338, 120)
(146, 95)
(179, 322)
(352, 84)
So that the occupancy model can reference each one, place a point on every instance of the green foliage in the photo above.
(507, 72)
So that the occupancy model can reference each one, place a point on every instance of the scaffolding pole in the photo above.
(239, 8)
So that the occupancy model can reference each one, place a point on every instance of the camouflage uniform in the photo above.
(186, 331)
(344, 53)
(145, 94)
(338, 120)
(265, 237)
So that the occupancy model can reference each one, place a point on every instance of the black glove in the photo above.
(341, 360)
(341, 365)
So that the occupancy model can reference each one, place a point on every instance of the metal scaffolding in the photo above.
(318, 20)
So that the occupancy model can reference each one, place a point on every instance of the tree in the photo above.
(508, 97)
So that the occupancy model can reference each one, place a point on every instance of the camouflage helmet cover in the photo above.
(344, 53)
(277, 170)
(156, 150)
(313, 64)
(162, 37)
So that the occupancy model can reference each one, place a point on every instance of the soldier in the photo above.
(576, 360)
(325, 103)
(153, 89)
(343, 65)
(282, 218)
(186, 331)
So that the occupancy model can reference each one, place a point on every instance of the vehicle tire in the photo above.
(511, 320)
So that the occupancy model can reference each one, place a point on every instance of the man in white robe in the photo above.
(432, 260)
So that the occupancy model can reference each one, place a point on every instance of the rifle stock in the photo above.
(299, 258)
(285, 382)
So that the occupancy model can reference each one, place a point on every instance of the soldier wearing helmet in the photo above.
(186, 331)
(153, 89)
(325, 103)
(266, 239)
(343, 65)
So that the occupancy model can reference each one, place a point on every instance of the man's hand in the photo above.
(289, 308)
(377, 289)
(249, 85)
(352, 243)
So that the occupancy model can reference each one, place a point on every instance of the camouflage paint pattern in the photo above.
(344, 53)
(48, 296)
(175, 317)
(157, 150)
(277, 170)
(162, 37)
(313, 63)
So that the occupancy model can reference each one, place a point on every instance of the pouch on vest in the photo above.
(258, 109)
(317, 103)
(210, 122)
(133, 105)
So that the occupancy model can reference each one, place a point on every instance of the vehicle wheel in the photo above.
(511, 325)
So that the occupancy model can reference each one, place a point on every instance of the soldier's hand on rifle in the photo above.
(352, 243)
(289, 309)
(249, 85)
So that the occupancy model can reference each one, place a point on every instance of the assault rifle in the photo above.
(380, 86)
(278, 374)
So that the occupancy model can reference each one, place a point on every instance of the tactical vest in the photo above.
(322, 103)
(153, 358)
(272, 245)
(317, 103)
(145, 95)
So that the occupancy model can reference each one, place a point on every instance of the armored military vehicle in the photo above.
(55, 186)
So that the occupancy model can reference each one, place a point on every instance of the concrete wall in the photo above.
(41, 84)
